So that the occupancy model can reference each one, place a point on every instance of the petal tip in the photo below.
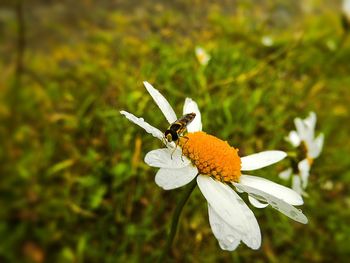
(146, 83)
(284, 155)
(148, 86)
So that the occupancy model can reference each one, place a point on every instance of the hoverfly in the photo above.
(178, 128)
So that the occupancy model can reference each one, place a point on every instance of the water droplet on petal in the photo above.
(224, 246)
(259, 197)
(230, 238)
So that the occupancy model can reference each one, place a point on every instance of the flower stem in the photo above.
(186, 194)
(292, 154)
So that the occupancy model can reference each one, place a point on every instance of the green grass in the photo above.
(74, 187)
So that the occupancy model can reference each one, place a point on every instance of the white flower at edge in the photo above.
(299, 180)
(304, 133)
(230, 218)
(202, 56)
(267, 41)
(346, 9)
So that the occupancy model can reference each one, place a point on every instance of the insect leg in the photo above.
(183, 146)
(176, 144)
(164, 140)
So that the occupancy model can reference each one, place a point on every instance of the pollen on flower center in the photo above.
(212, 156)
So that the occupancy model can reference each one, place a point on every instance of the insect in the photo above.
(178, 128)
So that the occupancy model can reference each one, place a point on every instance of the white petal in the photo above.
(306, 128)
(202, 56)
(227, 236)
(140, 122)
(166, 158)
(319, 142)
(304, 165)
(279, 191)
(310, 121)
(316, 147)
(296, 184)
(278, 204)
(301, 129)
(304, 169)
(261, 159)
(162, 103)
(189, 107)
(346, 9)
(309, 140)
(293, 138)
(174, 178)
(256, 202)
(232, 209)
(285, 174)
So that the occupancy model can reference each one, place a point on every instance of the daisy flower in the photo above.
(304, 136)
(267, 41)
(202, 56)
(217, 166)
(346, 10)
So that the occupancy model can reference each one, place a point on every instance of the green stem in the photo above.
(292, 154)
(186, 194)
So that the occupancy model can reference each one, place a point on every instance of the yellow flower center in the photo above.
(201, 58)
(212, 156)
(310, 160)
(306, 153)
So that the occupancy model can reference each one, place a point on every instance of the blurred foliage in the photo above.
(74, 187)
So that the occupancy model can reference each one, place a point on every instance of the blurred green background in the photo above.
(74, 187)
